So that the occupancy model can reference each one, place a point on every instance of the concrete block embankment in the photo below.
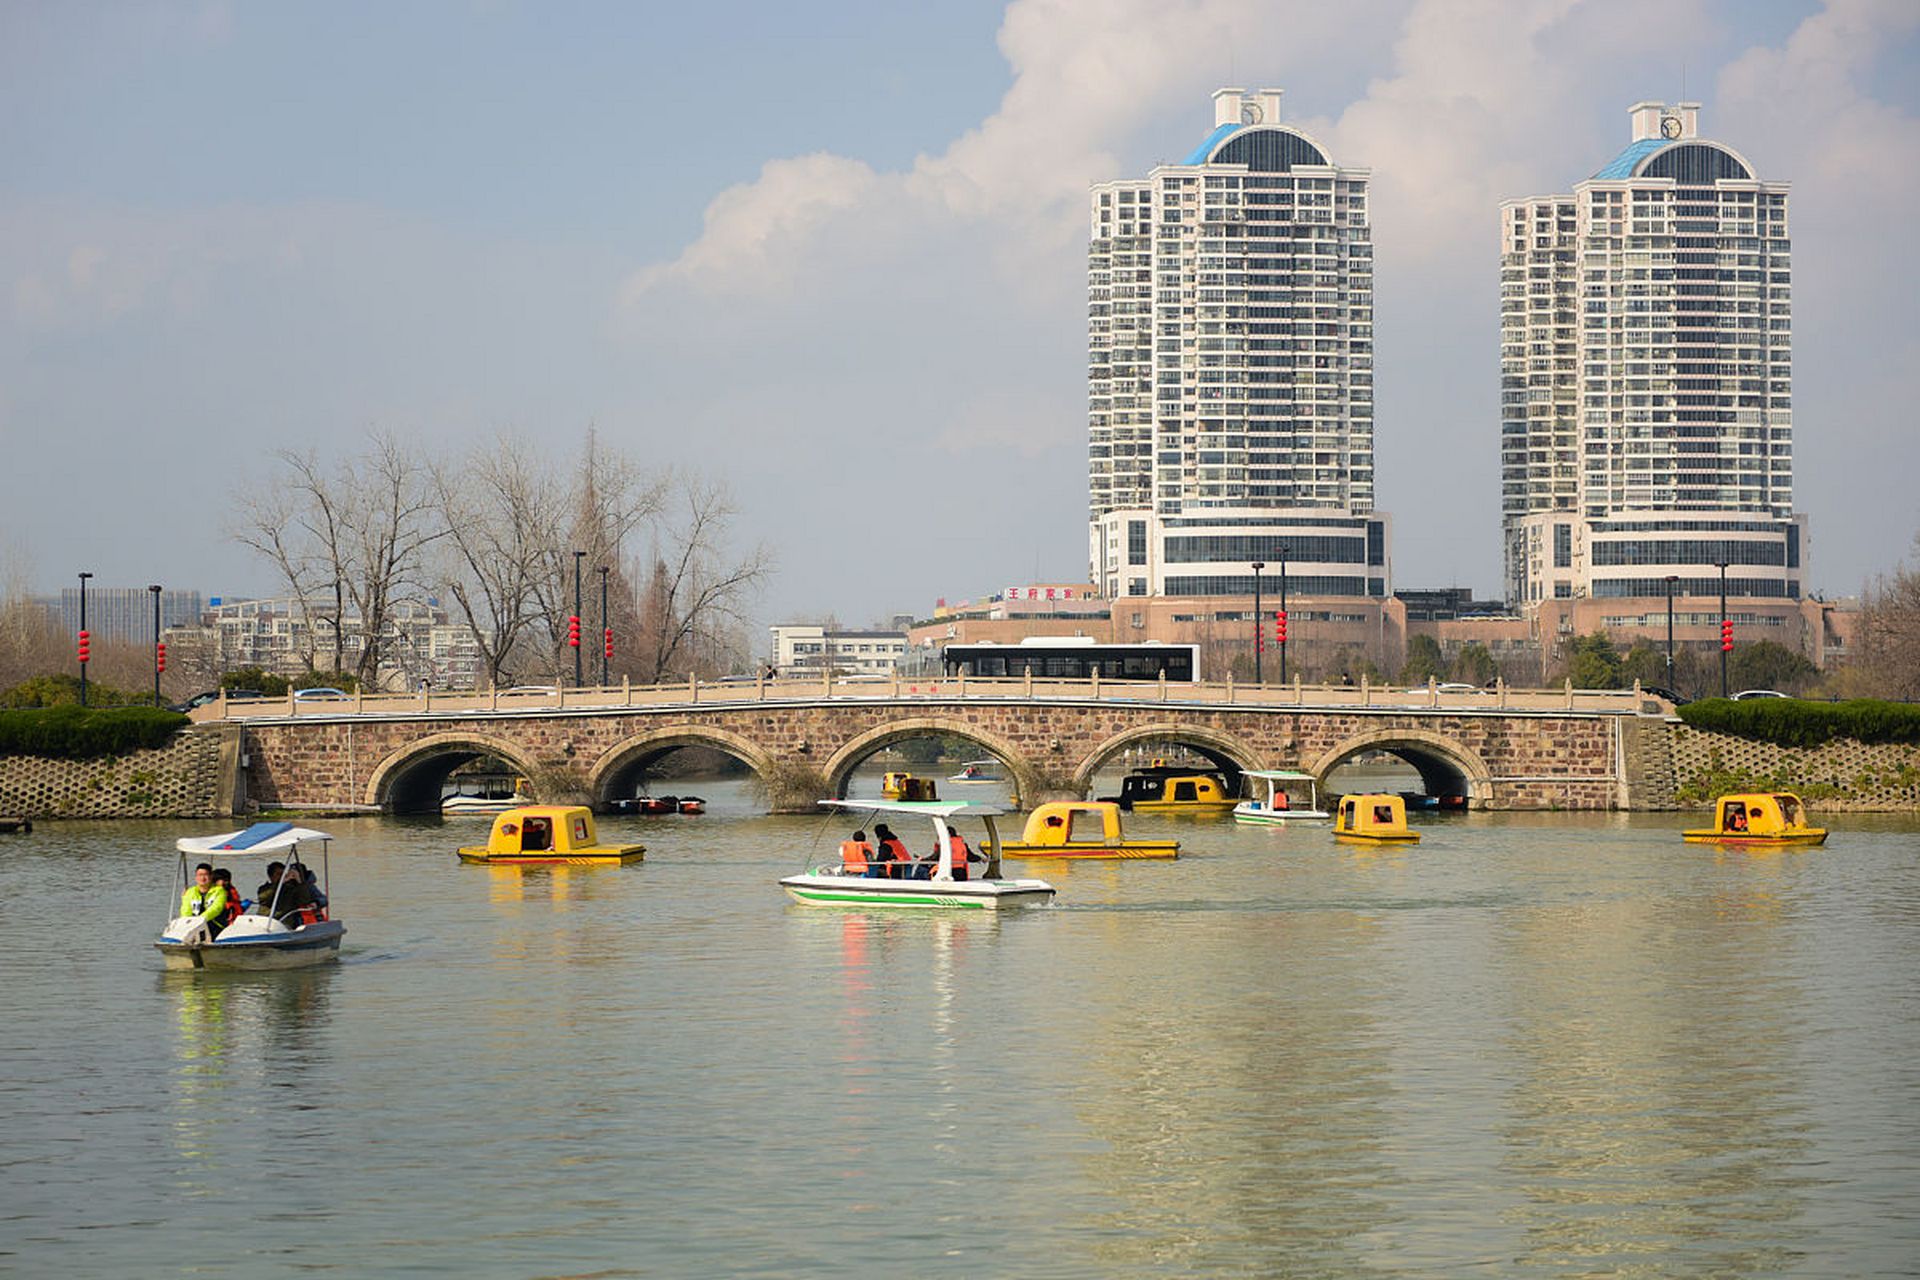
(191, 777)
(1838, 776)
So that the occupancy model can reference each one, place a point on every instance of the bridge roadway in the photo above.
(1502, 748)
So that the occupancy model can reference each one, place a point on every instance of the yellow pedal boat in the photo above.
(1378, 819)
(1765, 818)
(1161, 789)
(549, 835)
(1082, 829)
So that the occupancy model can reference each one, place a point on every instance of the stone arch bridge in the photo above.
(395, 753)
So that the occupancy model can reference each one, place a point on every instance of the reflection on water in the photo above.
(1555, 1045)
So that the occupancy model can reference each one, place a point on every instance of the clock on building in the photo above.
(1669, 126)
(1249, 113)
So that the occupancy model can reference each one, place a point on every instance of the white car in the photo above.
(1745, 694)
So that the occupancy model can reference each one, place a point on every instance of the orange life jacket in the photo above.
(891, 850)
(854, 855)
(957, 846)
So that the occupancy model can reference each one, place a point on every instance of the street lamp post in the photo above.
(606, 629)
(154, 590)
(573, 627)
(1283, 615)
(1671, 579)
(1258, 565)
(1723, 628)
(84, 638)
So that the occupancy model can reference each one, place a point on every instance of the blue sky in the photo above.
(835, 252)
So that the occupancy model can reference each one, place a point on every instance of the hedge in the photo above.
(79, 733)
(1792, 722)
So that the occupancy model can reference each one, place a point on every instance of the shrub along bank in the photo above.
(1792, 722)
(84, 733)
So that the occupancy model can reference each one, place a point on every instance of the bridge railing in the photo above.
(542, 699)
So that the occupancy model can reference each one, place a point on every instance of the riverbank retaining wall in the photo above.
(194, 776)
(1839, 776)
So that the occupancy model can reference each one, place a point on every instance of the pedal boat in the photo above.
(1373, 819)
(904, 786)
(1768, 820)
(1174, 790)
(836, 886)
(255, 940)
(546, 836)
(977, 771)
(1278, 807)
(1082, 829)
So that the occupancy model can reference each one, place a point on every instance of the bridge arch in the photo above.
(614, 774)
(410, 779)
(1446, 765)
(839, 766)
(1231, 754)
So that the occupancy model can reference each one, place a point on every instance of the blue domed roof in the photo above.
(1688, 159)
(1264, 148)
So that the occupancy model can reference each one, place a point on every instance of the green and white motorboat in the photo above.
(838, 885)
(1285, 789)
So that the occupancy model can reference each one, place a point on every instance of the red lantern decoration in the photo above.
(160, 656)
(85, 646)
(1280, 625)
(1726, 635)
(573, 631)
(609, 642)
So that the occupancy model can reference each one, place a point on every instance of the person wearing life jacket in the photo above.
(205, 900)
(892, 853)
(855, 855)
(236, 906)
(957, 847)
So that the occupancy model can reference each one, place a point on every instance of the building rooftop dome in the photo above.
(1687, 160)
(1262, 148)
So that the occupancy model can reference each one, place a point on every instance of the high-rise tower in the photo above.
(1646, 356)
(1230, 368)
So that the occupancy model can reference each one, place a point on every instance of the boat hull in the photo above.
(1356, 837)
(282, 949)
(1198, 808)
(1799, 838)
(458, 806)
(621, 858)
(1129, 850)
(817, 889)
(1278, 817)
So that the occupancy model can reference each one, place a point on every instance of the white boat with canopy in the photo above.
(268, 935)
(925, 884)
(978, 771)
(1285, 789)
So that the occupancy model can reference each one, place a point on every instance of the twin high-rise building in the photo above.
(1230, 368)
(1646, 373)
(1646, 377)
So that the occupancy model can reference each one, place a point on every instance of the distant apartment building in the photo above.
(1647, 376)
(287, 637)
(126, 613)
(1230, 368)
(806, 648)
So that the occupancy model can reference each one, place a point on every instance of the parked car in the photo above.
(197, 701)
(1745, 694)
(529, 691)
(1677, 698)
(322, 695)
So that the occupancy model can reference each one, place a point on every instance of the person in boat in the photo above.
(205, 900)
(896, 861)
(931, 867)
(285, 894)
(536, 834)
(1736, 817)
(236, 905)
(312, 882)
(856, 856)
(1280, 800)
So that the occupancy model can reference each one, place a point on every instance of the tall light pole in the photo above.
(1283, 615)
(159, 659)
(84, 638)
(606, 629)
(573, 623)
(1726, 635)
(1258, 565)
(1671, 579)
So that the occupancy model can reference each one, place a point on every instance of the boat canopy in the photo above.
(925, 808)
(1279, 775)
(261, 837)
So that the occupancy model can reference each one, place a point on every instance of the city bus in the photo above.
(1074, 658)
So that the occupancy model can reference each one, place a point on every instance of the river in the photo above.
(1534, 1045)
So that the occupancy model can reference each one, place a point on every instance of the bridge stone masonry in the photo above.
(803, 739)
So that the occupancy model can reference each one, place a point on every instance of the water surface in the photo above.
(1541, 1045)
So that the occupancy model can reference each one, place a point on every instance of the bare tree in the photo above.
(357, 531)
(497, 510)
(692, 603)
(1887, 658)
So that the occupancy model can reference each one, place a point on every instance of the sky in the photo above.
(834, 254)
